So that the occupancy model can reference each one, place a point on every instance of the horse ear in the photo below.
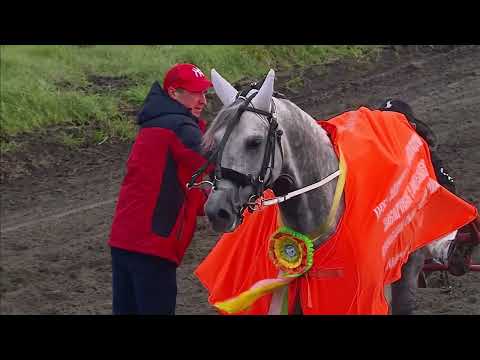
(225, 92)
(263, 99)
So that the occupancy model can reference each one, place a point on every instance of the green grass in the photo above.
(33, 97)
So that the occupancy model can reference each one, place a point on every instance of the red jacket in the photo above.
(155, 214)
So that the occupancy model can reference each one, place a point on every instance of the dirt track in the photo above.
(57, 204)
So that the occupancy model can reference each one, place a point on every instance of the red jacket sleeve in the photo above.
(186, 148)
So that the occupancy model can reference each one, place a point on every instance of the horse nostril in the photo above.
(223, 214)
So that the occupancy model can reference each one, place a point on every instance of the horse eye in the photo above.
(253, 143)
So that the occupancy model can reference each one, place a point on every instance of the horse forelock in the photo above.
(223, 118)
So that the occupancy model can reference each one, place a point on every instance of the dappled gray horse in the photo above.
(255, 155)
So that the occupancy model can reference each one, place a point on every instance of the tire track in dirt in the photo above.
(57, 216)
(65, 272)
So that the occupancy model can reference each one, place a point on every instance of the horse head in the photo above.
(246, 139)
(259, 141)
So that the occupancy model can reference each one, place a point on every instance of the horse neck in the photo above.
(308, 157)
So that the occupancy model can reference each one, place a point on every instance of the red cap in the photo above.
(186, 76)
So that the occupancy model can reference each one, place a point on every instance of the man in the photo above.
(155, 217)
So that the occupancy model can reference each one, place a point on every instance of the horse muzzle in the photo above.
(221, 213)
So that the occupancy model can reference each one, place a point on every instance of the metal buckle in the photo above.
(255, 203)
(200, 184)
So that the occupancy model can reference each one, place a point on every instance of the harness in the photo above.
(260, 182)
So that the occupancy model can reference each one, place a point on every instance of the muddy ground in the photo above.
(57, 204)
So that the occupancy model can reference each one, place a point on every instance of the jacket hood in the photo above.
(158, 103)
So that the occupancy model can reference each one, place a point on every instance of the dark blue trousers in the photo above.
(142, 284)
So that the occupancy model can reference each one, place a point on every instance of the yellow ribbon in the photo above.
(247, 298)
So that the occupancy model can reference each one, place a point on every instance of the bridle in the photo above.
(264, 178)
(260, 182)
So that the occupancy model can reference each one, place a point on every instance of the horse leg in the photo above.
(404, 290)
